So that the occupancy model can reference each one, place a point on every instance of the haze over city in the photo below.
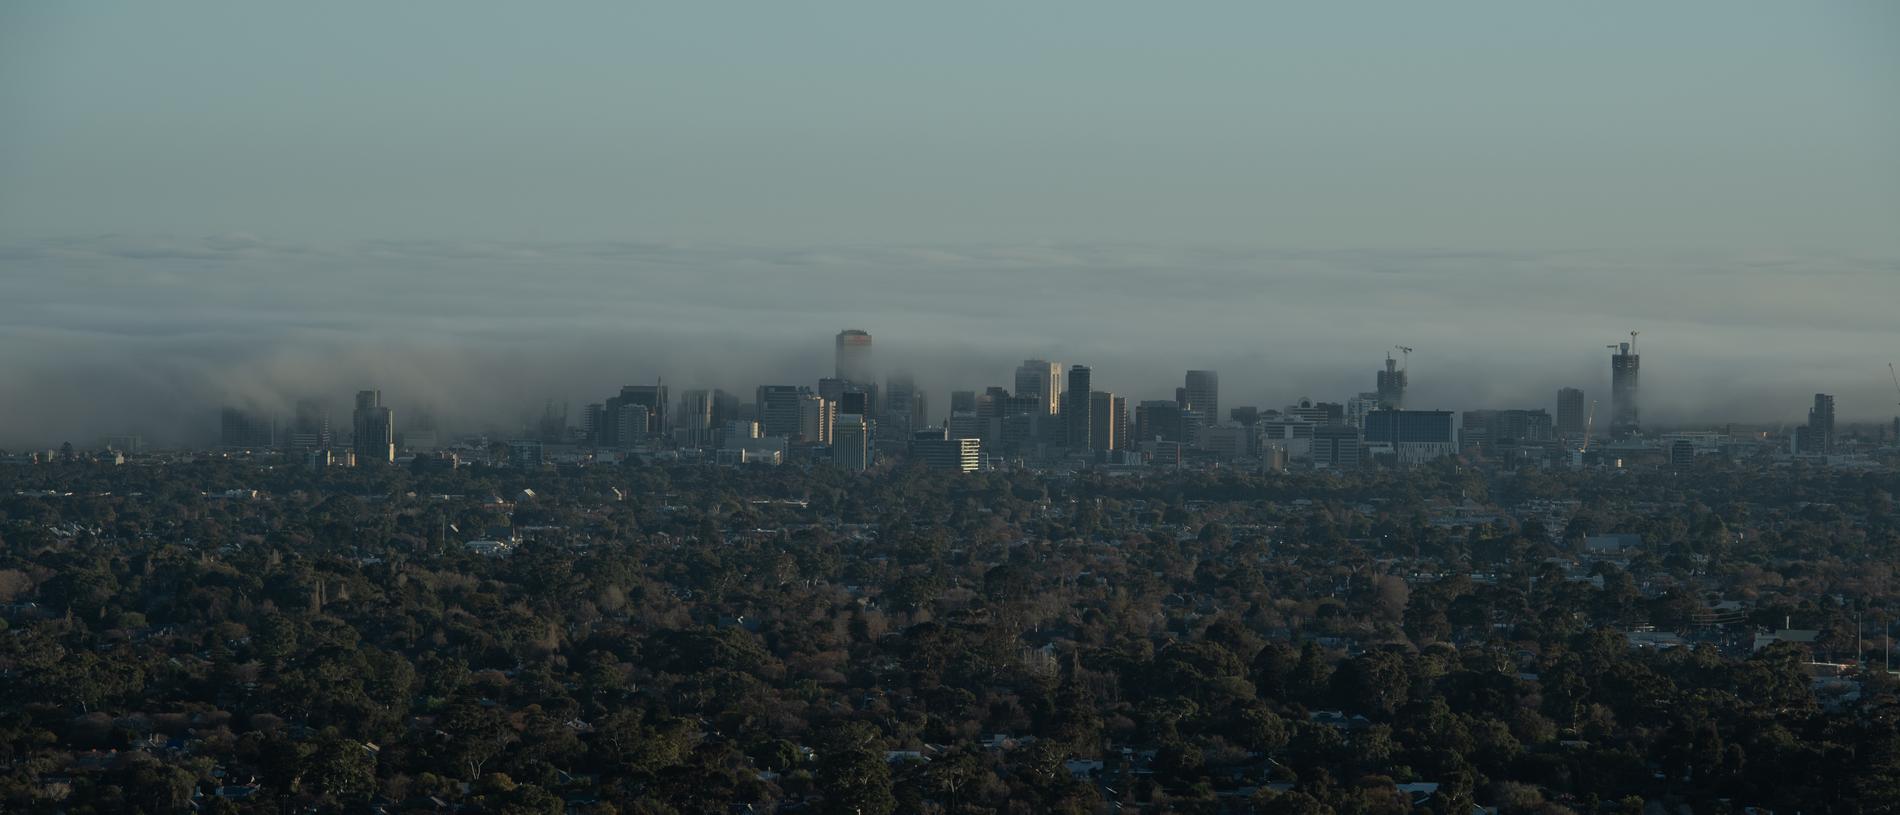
(478, 209)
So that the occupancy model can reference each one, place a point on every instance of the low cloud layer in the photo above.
(110, 334)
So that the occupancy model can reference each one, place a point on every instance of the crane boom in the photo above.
(1588, 422)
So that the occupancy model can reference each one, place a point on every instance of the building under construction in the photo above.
(1625, 375)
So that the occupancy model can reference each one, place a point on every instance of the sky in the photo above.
(481, 206)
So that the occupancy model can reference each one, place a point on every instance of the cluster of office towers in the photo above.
(372, 424)
(1051, 412)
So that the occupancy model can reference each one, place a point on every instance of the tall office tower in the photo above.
(1391, 385)
(1119, 411)
(1203, 394)
(1570, 413)
(1192, 423)
(593, 417)
(726, 409)
(815, 418)
(963, 401)
(629, 425)
(310, 426)
(1101, 420)
(994, 402)
(965, 424)
(1158, 420)
(903, 406)
(695, 419)
(1821, 426)
(851, 442)
(854, 357)
(240, 429)
(779, 409)
(1042, 379)
(1075, 408)
(651, 397)
(1625, 367)
(863, 401)
(375, 427)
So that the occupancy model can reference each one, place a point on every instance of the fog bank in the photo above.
(112, 334)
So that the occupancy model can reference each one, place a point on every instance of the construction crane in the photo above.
(1589, 421)
(1405, 351)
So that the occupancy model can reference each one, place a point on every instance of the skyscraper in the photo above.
(1158, 420)
(1203, 394)
(1075, 408)
(1820, 426)
(310, 426)
(850, 442)
(1570, 413)
(695, 417)
(1391, 385)
(1625, 367)
(617, 424)
(779, 410)
(1041, 379)
(815, 419)
(246, 430)
(854, 357)
(1101, 420)
(375, 429)
(904, 407)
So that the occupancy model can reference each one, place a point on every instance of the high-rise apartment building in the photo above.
(375, 428)
(1075, 408)
(854, 357)
(1202, 392)
(1042, 380)
(1570, 416)
(1625, 370)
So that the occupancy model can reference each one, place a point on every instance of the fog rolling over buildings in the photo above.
(544, 208)
(115, 335)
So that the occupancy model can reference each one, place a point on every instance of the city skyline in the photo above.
(776, 408)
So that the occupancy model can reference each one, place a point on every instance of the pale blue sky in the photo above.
(1722, 125)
